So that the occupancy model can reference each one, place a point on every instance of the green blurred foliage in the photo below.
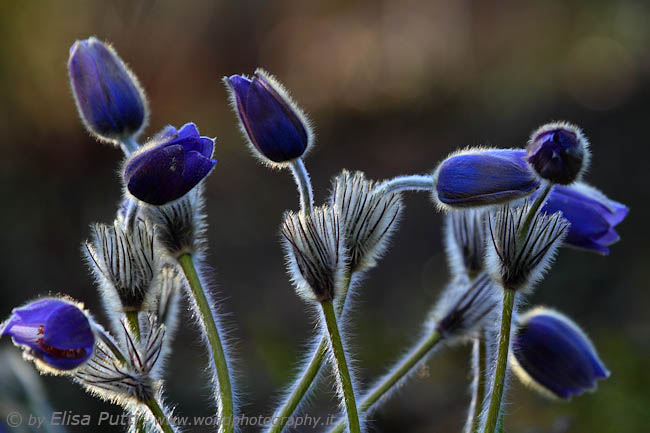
(392, 87)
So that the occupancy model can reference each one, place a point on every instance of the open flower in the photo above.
(53, 331)
(592, 215)
(276, 128)
(483, 177)
(552, 354)
(170, 166)
(111, 103)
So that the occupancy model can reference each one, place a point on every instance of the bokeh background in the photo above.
(392, 87)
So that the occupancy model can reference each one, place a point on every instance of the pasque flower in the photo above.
(592, 215)
(558, 152)
(111, 103)
(553, 354)
(483, 177)
(170, 165)
(54, 331)
(276, 128)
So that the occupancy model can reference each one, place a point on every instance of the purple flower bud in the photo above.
(558, 152)
(592, 215)
(483, 177)
(53, 331)
(170, 165)
(277, 129)
(111, 103)
(553, 354)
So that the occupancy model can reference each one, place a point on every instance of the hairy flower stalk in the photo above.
(341, 366)
(413, 182)
(316, 258)
(180, 231)
(209, 324)
(462, 311)
(479, 382)
(523, 242)
(310, 372)
(368, 216)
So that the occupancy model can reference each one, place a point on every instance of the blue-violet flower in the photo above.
(592, 215)
(553, 355)
(54, 331)
(558, 152)
(170, 166)
(276, 128)
(111, 103)
(483, 177)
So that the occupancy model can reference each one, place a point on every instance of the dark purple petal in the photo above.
(108, 97)
(196, 168)
(170, 166)
(556, 355)
(156, 176)
(557, 153)
(189, 130)
(484, 177)
(167, 133)
(593, 216)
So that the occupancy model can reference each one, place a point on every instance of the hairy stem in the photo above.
(502, 361)
(209, 324)
(310, 373)
(159, 415)
(401, 370)
(301, 176)
(133, 321)
(532, 211)
(479, 369)
(414, 182)
(342, 370)
(129, 145)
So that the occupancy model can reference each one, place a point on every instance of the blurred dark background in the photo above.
(392, 87)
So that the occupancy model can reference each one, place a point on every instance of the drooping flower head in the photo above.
(368, 217)
(170, 165)
(592, 215)
(111, 103)
(553, 355)
(315, 253)
(520, 263)
(54, 332)
(558, 152)
(125, 262)
(466, 306)
(465, 237)
(483, 177)
(277, 130)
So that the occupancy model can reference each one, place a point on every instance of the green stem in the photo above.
(208, 321)
(391, 379)
(134, 323)
(502, 361)
(342, 366)
(479, 364)
(159, 415)
(140, 425)
(539, 200)
(310, 373)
